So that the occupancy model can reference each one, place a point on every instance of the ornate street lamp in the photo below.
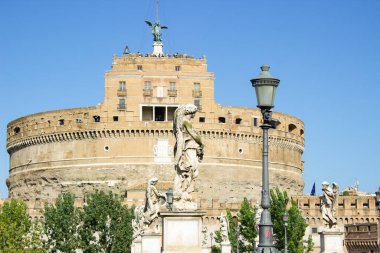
(169, 198)
(285, 219)
(265, 85)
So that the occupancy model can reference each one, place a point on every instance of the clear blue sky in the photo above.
(53, 55)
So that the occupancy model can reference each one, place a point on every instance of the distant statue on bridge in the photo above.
(329, 202)
(156, 30)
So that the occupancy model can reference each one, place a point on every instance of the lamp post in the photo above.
(169, 198)
(265, 85)
(237, 238)
(285, 219)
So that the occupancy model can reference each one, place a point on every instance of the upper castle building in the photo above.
(128, 138)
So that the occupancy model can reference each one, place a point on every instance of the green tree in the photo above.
(247, 224)
(16, 229)
(232, 234)
(62, 222)
(107, 225)
(296, 223)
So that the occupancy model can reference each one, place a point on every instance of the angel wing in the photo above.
(164, 27)
(149, 23)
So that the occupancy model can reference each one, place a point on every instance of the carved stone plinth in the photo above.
(331, 241)
(151, 243)
(136, 245)
(157, 48)
(182, 232)
(226, 247)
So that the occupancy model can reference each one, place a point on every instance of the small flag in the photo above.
(313, 190)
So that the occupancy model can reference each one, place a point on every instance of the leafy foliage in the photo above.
(232, 234)
(106, 224)
(14, 225)
(17, 233)
(296, 223)
(247, 224)
(62, 223)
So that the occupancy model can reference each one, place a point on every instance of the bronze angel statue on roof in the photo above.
(156, 30)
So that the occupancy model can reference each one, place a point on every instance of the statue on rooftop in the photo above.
(224, 228)
(329, 202)
(156, 30)
(188, 152)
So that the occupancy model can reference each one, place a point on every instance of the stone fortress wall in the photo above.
(128, 138)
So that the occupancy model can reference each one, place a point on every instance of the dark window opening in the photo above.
(171, 113)
(159, 113)
(61, 122)
(96, 118)
(121, 104)
(302, 132)
(197, 103)
(255, 122)
(177, 68)
(238, 121)
(139, 67)
(202, 119)
(17, 130)
(291, 128)
(314, 230)
(147, 113)
(79, 121)
(115, 118)
(222, 120)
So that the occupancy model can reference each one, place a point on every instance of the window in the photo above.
(79, 121)
(222, 120)
(197, 103)
(147, 85)
(238, 121)
(159, 113)
(197, 86)
(121, 104)
(291, 128)
(122, 86)
(96, 118)
(16, 130)
(61, 122)
(172, 86)
(202, 119)
(255, 122)
(177, 68)
(115, 118)
(314, 230)
(139, 67)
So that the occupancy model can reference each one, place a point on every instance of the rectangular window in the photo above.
(255, 122)
(202, 119)
(121, 104)
(314, 230)
(172, 86)
(96, 118)
(147, 113)
(122, 86)
(147, 85)
(61, 122)
(171, 113)
(115, 118)
(197, 103)
(139, 67)
(197, 86)
(177, 68)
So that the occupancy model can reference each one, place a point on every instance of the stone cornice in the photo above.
(281, 142)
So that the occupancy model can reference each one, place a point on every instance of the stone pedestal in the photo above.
(151, 243)
(157, 48)
(136, 246)
(206, 250)
(225, 247)
(182, 231)
(331, 241)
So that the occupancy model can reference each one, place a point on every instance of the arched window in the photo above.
(16, 130)
(291, 128)
(238, 121)
(302, 132)
(222, 120)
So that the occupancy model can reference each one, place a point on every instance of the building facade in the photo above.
(128, 137)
